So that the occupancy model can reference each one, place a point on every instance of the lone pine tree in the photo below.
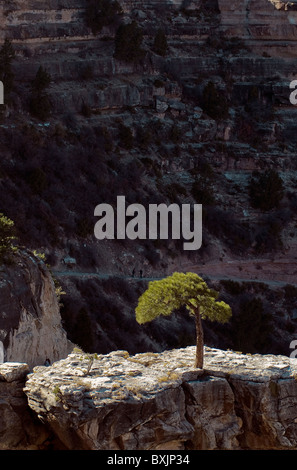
(167, 295)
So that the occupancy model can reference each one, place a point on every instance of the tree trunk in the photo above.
(199, 340)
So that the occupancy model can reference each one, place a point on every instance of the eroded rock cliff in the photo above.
(270, 24)
(19, 428)
(30, 321)
(160, 401)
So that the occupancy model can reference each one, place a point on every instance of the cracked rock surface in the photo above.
(160, 401)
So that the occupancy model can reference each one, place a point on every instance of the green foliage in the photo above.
(58, 394)
(100, 13)
(266, 190)
(174, 292)
(59, 292)
(170, 294)
(7, 54)
(128, 42)
(41, 256)
(160, 43)
(7, 236)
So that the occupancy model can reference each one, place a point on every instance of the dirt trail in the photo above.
(269, 282)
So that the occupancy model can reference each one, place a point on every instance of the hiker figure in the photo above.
(140, 273)
(133, 272)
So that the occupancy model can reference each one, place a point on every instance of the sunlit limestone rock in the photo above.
(160, 401)
(30, 321)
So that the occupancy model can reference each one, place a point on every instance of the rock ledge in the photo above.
(160, 401)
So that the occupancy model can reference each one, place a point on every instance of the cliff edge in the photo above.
(30, 322)
(161, 402)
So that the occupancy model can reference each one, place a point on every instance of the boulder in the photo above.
(19, 427)
(160, 401)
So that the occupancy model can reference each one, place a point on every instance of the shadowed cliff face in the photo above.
(30, 322)
(267, 25)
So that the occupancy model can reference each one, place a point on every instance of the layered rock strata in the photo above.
(160, 401)
(266, 24)
(30, 321)
(19, 427)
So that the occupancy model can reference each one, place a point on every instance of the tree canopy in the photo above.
(128, 43)
(7, 236)
(167, 295)
(40, 106)
(100, 13)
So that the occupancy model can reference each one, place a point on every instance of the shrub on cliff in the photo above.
(100, 13)
(170, 294)
(266, 190)
(128, 42)
(214, 103)
(39, 101)
(7, 236)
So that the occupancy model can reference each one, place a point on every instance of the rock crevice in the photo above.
(160, 402)
(30, 321)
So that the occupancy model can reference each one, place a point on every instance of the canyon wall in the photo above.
(30, 321)
(269, 25)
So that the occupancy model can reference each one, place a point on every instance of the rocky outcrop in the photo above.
(19, 427)
(267, 24)
(30, 321)
(160, 401)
